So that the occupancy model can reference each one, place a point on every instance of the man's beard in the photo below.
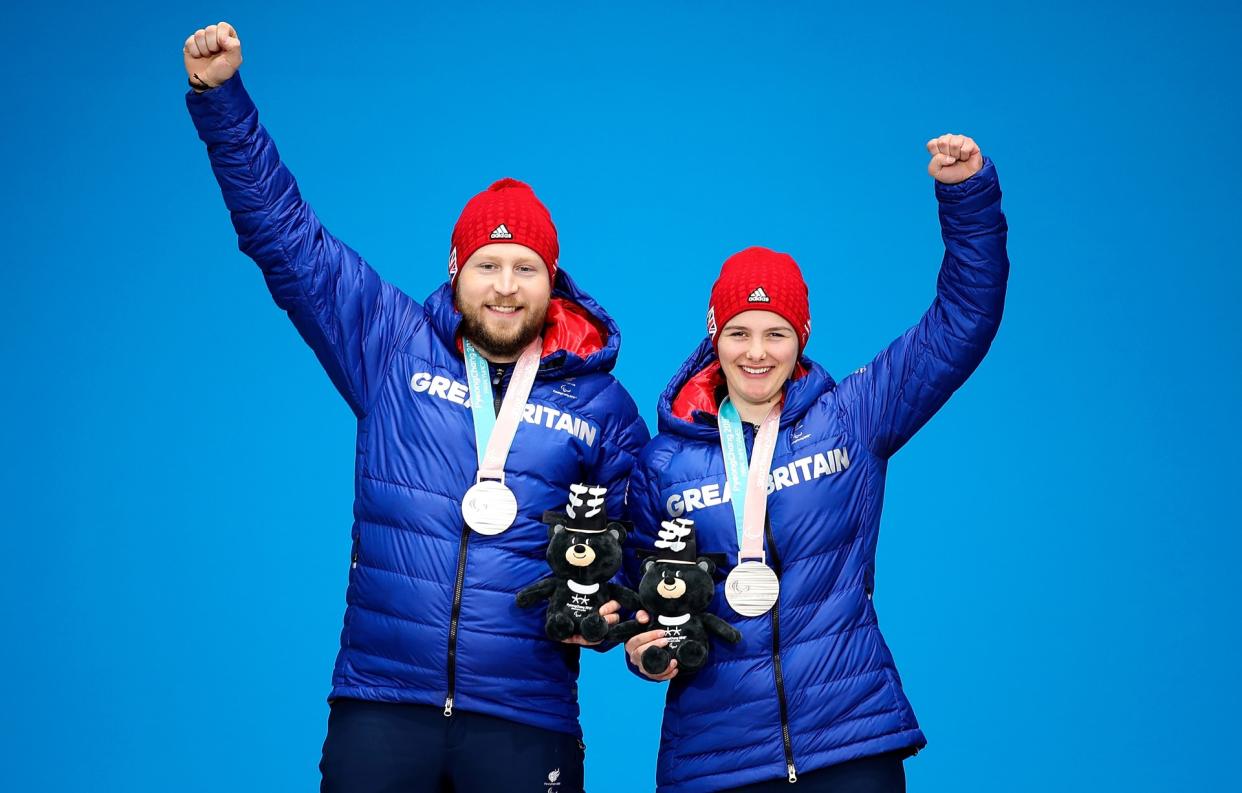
(510, 345)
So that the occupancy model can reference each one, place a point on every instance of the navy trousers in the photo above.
(382, 747)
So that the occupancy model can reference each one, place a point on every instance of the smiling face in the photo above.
(503, 291)
(757, 351)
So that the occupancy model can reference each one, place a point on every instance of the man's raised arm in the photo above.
(349, 316)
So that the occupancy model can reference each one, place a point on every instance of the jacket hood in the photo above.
(688, 405)
(579, 337)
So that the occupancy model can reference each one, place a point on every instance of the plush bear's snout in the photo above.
(580, 555)
(671, 587)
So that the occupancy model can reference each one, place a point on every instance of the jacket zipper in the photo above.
(456, 615)
(498, 376)
(776, 662)
(750, 430)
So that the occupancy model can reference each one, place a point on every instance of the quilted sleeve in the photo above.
(898, 392)
(642, 501)
(622, 437)
(348, 315)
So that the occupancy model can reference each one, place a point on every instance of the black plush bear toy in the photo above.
(584, 551)
(676, 588)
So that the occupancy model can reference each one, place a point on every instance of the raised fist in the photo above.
(212, 55)
(955, 158)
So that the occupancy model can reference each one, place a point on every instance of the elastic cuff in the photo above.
(978, 191)
(219, 108)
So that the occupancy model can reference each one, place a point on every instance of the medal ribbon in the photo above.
(748, 487)
(493, 434)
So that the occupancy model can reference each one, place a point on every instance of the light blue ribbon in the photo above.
(482, 399)
(737, 464)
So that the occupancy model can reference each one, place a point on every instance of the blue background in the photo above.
(1058, 546)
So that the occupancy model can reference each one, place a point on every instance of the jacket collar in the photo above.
(579, 337)
(689, 407)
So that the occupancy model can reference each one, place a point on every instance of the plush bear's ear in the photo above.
(706, 565)
(618, 531)
(647, 565)
(555, 529)
(552, 517)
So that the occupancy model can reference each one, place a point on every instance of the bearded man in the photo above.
(476, 411)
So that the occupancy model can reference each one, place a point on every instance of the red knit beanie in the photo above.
(759, 279)
(508, 211)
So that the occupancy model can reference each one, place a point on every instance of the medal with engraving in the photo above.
(489, 506)
(752, 587)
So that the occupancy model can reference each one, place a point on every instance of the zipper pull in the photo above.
(793, 773)
(448, 707)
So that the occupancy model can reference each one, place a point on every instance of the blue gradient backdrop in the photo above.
(1058, 543)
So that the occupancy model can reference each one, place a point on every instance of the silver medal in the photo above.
(752, 588)
(489, 507)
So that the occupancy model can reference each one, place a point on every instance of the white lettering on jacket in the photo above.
(804, 469)
(549, 417)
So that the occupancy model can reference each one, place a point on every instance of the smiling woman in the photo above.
(758, 350)
(783, 470)
(762, 301)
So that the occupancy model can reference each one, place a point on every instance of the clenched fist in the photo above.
(212, 55)
(955, 158)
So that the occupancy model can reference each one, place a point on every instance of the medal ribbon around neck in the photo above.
(489, 507)
(748, 485)
(493, 433)
(752, 587)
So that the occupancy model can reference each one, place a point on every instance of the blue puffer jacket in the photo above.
(812, 683)
(431, 616)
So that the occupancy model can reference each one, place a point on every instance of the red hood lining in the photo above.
(568, 327)
(699, 392)
(572, 328)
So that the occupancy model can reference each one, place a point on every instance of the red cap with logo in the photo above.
(508, 211)
(760, 279)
